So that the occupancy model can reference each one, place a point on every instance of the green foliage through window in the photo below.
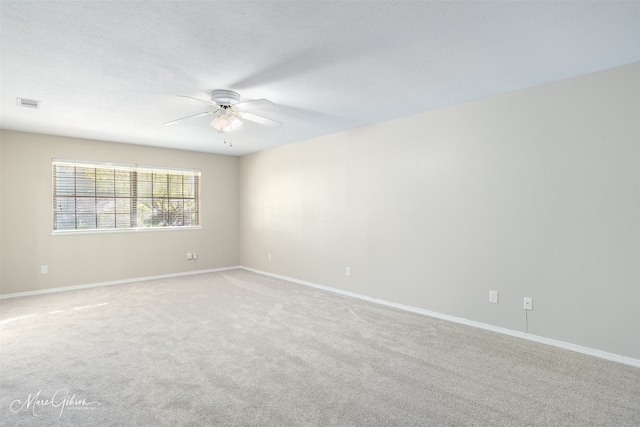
(95, 196)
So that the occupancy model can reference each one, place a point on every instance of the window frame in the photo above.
(134, 197)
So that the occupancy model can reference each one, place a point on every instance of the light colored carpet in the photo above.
(238, 348)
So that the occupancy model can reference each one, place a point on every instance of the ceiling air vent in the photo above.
(28, 103)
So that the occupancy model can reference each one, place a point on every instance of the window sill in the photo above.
(122, 230)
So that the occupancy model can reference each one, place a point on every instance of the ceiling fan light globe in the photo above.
(225, 123)
(220, 122)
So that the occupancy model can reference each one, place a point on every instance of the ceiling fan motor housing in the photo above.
(224, 97)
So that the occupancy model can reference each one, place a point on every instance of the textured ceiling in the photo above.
(111, 70)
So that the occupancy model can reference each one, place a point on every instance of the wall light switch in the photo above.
(44, 269)
(493, 297)
(189, 255)
(348, 271)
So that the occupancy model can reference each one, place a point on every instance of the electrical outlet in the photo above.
(493, 297)
(195, 255)
(528, 303)
(189, 255)
(269, 257)
(44, 269)
(348, 271)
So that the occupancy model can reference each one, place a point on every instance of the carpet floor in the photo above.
(236, 348)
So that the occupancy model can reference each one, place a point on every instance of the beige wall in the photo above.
(26, 221)
(534, 194)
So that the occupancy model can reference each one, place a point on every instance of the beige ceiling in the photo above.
(111, 70)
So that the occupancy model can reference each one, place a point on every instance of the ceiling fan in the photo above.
(228, 110)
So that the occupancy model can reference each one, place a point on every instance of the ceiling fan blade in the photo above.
(189, 117)
(259, 119)
(197, 99)
(256, 103)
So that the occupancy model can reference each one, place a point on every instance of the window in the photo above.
(102, 196)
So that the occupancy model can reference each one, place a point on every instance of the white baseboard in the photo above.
(114, 282)
(542, 340)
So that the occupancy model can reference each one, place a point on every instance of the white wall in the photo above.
(534, 193)
(26, 222)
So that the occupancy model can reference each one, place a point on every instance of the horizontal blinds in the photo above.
(96, 196)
